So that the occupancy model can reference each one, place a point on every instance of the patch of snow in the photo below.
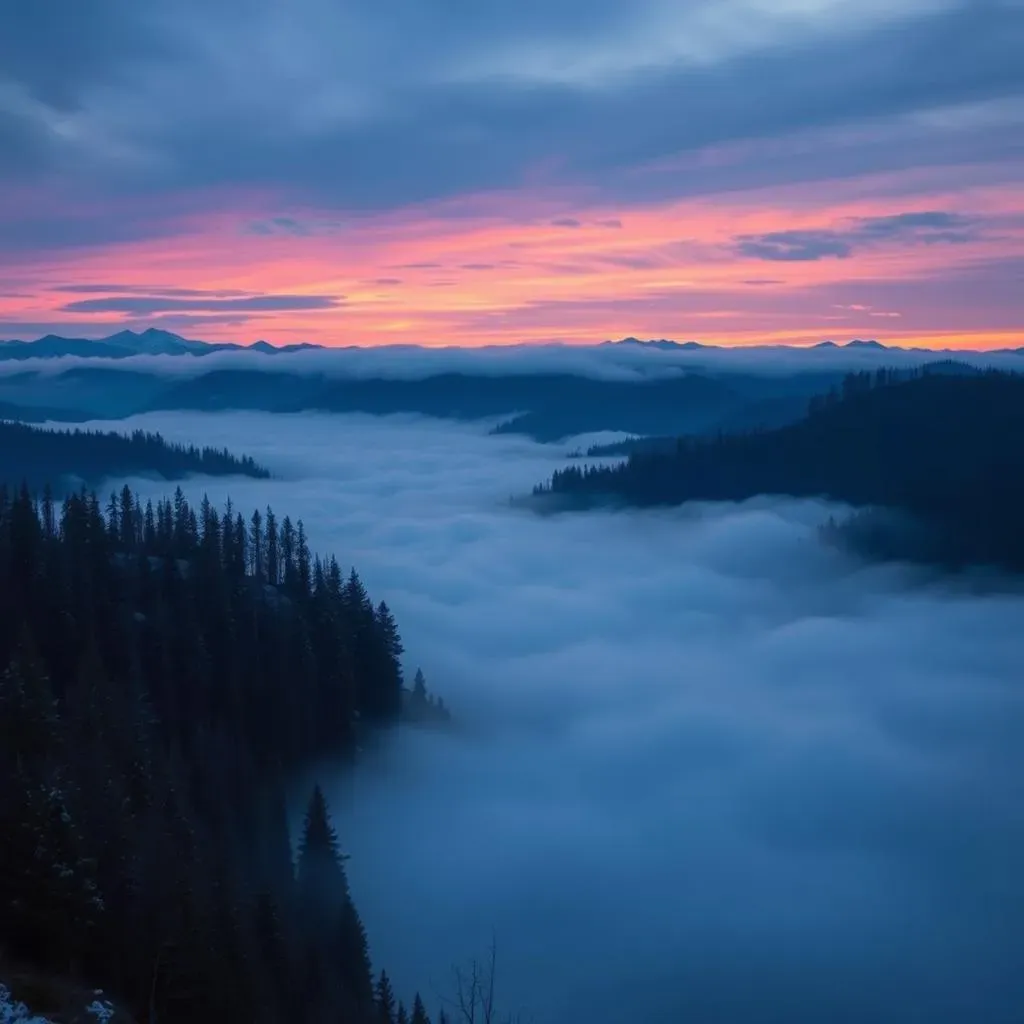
(14, 1012)
(101, 1009)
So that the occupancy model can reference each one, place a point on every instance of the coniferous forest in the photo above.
(943, 451)
(39, 456)
(164, 670)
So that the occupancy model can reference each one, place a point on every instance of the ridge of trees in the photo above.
(163, 670)
(39, 456)
(943, 451)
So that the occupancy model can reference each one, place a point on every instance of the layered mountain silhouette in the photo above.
(547, 401)
(131, 343)
(154, 341)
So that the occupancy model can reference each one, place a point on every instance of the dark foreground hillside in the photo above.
(38, 457)
(944, 451)
(163, 671)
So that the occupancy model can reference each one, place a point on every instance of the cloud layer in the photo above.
(619, 362)
(710, 770)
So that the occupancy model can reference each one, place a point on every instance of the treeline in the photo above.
(38, 456)
(164, 670)
(945, 450)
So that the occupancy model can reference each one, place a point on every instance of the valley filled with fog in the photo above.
(703, 764)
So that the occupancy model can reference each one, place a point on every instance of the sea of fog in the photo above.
(707, 770)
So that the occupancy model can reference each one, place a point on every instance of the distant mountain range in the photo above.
(131, 343)
(157, 342)
(547, 394)
(693, 346)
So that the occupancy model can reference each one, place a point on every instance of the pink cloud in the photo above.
(507, 268)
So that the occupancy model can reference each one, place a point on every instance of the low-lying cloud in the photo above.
(599, 362)
(708, 769)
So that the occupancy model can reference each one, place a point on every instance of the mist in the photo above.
(705, 769)
(600, 362)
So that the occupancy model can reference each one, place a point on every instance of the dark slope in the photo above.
(95, 390)
(547, 407)
(782, 401)
(165, 672)
(39, 414)
(37, 456)
(948, 451)
(268, 391)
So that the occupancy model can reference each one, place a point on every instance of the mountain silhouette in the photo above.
(151, 341)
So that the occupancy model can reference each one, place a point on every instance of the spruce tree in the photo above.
(419, 687)
(150, 714)
(419, 1012)
(320, 870)
(384, 999)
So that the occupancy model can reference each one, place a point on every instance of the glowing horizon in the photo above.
(549, 204)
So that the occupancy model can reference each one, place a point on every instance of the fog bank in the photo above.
(601, 362)
(710, 770)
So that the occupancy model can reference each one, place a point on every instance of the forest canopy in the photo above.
(942, 450)
(38, 457)
(164, 670)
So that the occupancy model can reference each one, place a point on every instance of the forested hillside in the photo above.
(163, 671)
(38, 457)
(945, 450)
(546, 406)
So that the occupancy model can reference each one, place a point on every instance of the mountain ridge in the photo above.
(123, 344)
(154, 341)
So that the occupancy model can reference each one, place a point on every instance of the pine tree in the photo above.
(391, 638)
(48, 890)
(145, 737)
(256, 552)
(419, 687)
(302, 560)
(270, 547)
(384, 999)
(419, 1012)
(320, 858)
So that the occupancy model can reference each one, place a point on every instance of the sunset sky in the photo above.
(481, 172)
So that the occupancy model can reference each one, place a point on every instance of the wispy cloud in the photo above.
(148, 305)
(292, 226)
(164, 292)
(924, 228)
(794, 246)
(500, 271)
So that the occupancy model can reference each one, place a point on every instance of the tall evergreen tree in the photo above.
(419, 1011)
(384, 998)
(152, 705)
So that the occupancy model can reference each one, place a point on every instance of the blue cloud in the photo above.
(786, 246)
(928, 227)
(429, 100)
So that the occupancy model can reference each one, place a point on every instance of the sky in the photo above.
(469, 172)
(706, 769)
